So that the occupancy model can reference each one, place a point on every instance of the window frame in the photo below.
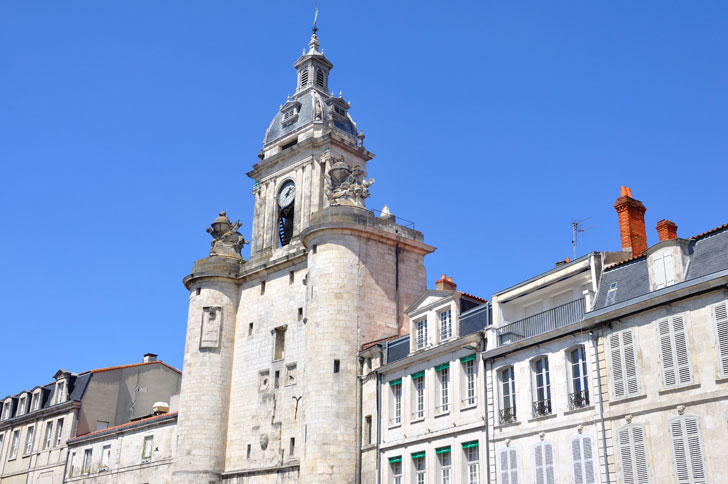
(471, 468)
(511, 456)
(681, 372)
(660, 266)
(629, 450)
(583, 400)
(719, 316)
(22, 401)
(14, 445)
(106, 456)
(469, 371)
(690, 459)
(419, 406)
(419, 474)
(396, 477)
(445, 324)
(540, 406)
(29, 440)
(48, 438)
(420, 333)
(395, 402)
(444, 400)
(59, 432)
(147, 451)
(444, 465)
(508, 414)
(60, 390)
(583, 461)
(623, 363)
(542, 447)
(86, 462)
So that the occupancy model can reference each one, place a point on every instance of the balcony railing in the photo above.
(543, 322)
(579, 399)
(508, 415)
(542, 408)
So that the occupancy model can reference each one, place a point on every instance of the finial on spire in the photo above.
(315, 17)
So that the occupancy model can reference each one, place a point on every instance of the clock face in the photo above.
(287, 194)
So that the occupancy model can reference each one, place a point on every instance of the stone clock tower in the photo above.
(269, 390)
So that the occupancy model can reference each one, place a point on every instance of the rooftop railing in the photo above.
(543, 322)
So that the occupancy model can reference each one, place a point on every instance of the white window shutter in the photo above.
(548, 457)
(669, 269)
(682, 471)
(538, 461)
(587, 453)
(582, 458)
(615, 347)
(669, 377)
(630, 362)
(720, 316)
(640, 455)
(576, 460)
(633, 451)
(505, 467)
(626, 452)
(687, 450)
(513, 457)
(682, 351)
(658, 271)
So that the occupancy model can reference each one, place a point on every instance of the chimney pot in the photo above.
(631, 214)
(445, 284)
(666, 230)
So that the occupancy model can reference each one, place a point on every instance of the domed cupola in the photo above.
(311, 111)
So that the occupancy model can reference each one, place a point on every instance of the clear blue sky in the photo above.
(126, 126)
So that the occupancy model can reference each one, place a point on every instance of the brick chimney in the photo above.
(631, 222)
(666, 229)
(445, 284)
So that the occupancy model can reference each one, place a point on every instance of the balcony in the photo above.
(579, 399)
(543, 322)
(508, 415)
(541, 408)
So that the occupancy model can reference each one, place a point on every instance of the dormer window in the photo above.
(36, 401)
(7, 409)
(289, 114)
(663, 268)
(421, 333)
(21, 405)
(340, 110)
(60, 392)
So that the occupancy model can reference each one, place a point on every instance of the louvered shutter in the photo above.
(505, 468)
(513, 458)
(720, 316)
(615, 347)
(688, 451)
(674, 351)
(634, 455)
(682, 352)
(583, 460)
(630, 363)
(658, 270)
(544, 463)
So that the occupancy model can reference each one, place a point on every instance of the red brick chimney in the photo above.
(631, 222)
(445, 284)
(666, 229)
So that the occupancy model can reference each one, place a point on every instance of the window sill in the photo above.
(394, 425)
(667, 391)
(417, 420)
(580, 409)
(469, 406)
(628, 399)
(723, 379)
(542, 417)
(12, 458)
(442, 414)
(506, 425)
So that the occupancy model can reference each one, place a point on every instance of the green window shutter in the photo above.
(395, 382)
(442, 450)
(467, 445)
(465, 359)
(393, 460)
(419, 374)
(444, 366)
(417, 455)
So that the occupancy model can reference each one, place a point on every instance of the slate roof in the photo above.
(475, 319)
(629, 279)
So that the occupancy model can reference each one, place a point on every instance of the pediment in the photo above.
(431, 296)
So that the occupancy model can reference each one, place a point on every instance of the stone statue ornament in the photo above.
(226, 240)
(347, 185)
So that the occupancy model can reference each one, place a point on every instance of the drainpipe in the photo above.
(485, 411)
(359, 411)
(379, 423)
(601, 405)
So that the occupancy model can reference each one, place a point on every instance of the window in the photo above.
(445, 325)
(291, 277)
(14, 444)
(21, 406)
(420, 467)
(720, 317)
(36, 401)
(508, 458)
(468, 364)
(472, 462)
(622, 349)
(291, 372)
(578, 378)
(304, 76)
(250, 329)
(418, 384)
(632, 449)
(367, 430)
(247, 454)
(541, 387)
(543, 462)
(101, 425)
(262, 287)
(444, 462)
(292, 445)
(674, 352)
(29, 440)
(59, 432)
(395, 468)
(582, 459)
(280, 343)
(443, 381)
(663, 268)
(7, 409)
(60, 388)
(687, 448)
(421, 333)
(396, 402)
(2, 438)
(105, 456)
(320, 77)
(337, 366)
(148, 445)
(86, 468)
(508, 395)
(48, 440)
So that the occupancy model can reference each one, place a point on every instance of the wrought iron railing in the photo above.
(508, 415)
(543, 322)
(579, 399)
(542, 408)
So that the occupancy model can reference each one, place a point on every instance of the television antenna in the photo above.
(576, 229)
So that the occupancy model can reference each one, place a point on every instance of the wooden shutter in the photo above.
(509, 466)
(615, 347)
(582, 459)
(630, 362)
(543, 456)
(687, 450)
(634, 455)
(669, 377)
(720, 316)
(669, 269)
(658, 270)
(682, 350)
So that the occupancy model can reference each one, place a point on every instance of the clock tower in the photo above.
(270, 387)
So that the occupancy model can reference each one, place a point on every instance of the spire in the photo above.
(313, 44)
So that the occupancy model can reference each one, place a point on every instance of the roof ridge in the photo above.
(117, 427)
